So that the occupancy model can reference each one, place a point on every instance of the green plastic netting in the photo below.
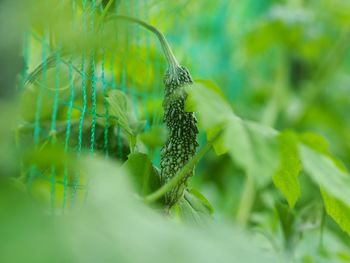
(64, 99)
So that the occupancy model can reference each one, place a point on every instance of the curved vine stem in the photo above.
(171, 59)
(183, 172)
(47, 64)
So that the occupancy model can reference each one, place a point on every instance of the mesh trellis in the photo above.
(71, 111)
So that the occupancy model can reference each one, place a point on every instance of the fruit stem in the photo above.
(171, 59)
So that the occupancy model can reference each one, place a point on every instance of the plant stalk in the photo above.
(182, 173)
(247, 201)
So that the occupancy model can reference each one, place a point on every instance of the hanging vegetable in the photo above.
(181, 143)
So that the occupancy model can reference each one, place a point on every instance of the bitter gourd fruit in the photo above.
(181, 143)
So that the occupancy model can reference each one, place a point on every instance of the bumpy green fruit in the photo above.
(181, 143)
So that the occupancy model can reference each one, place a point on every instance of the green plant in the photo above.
(181, 143)
(270, 171)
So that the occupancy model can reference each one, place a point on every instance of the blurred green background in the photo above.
(81, 95)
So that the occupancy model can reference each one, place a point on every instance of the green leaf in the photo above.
(338, 210)
(320, 144)
(207, 104)
(219, 145)
(144, 175)
(193, 210)
(324, 172)
(336, 207)
(286, 176)
(334, 183)
(315, 141)
(210, 85)
(120, 109)
(252, 146)
(137, 127)
(204, 201)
